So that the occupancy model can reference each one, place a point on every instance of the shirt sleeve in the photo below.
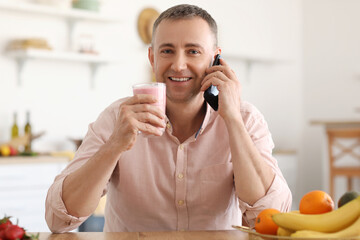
(278, 195)
(57, 217)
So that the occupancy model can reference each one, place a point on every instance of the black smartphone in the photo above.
(211, 94)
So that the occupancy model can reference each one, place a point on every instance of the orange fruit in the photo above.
(264, 223)
(316, 202)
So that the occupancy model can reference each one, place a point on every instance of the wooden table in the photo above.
(196, 235)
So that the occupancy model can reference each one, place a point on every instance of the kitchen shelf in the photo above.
(71, 16)
(70, 13)
(94, 61)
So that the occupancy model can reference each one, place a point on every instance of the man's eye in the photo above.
(193, 51)
(166, 51)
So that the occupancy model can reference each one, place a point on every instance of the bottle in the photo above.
(14, 128)
(27, 130)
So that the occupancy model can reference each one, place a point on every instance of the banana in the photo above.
(351, 231)
(333, 221)
(284, 232)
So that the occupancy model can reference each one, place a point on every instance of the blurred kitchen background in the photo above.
(297, 60)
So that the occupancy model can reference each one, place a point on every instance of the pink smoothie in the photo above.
(156, 89)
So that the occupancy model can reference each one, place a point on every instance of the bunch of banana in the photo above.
(342, 222)
(351, 231)
(284, 232)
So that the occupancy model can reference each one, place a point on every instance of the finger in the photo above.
(212, 81)
(153, 109)
(146, 117)
(217, 68)
(149, 129)
(141, 98)
(217, 74)
(223, 62)
(224, 69)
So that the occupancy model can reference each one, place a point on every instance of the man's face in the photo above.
(181, 51)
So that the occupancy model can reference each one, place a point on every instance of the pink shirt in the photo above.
(162, 185)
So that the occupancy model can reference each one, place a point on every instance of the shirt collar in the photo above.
(206, 120)
(209, 112)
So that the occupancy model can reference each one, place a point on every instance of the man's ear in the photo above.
(151, 56)
(218, 51)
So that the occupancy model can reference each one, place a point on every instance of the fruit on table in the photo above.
(333, 221)
(351, 231)
(347, 197)
(10, 231)
(4, 223)
(8, 150)
(14, 232)
(316, 202)
(284, 232)
(13, 151)
(5, 150)
(264, 223)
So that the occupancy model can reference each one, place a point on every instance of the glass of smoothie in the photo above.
(156, 89)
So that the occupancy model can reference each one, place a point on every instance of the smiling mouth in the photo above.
(183, 79)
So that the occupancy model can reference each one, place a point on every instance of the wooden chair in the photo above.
(334, 135)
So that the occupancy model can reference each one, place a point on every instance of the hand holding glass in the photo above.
(158, 90)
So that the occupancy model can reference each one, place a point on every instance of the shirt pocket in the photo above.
(217, 188)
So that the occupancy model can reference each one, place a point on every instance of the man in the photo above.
(207, 171)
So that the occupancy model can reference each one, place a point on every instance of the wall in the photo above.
(331, 78)
(55, 92)
(62, 104)
(58, 93)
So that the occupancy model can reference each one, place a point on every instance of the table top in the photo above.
(191, 235)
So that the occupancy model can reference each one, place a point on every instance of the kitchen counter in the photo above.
(337, 123)
(198, 235)
(34, 159)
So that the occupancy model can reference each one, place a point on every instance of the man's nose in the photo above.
(179, 63)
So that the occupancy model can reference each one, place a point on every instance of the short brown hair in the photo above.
(186, 11)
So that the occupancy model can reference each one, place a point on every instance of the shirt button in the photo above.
(180, 176)
(181, 202)
(181, 147)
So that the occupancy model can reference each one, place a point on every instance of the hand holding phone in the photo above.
(211, 94)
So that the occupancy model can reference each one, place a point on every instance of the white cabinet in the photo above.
(23, 188)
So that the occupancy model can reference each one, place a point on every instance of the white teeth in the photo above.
(179, 79)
